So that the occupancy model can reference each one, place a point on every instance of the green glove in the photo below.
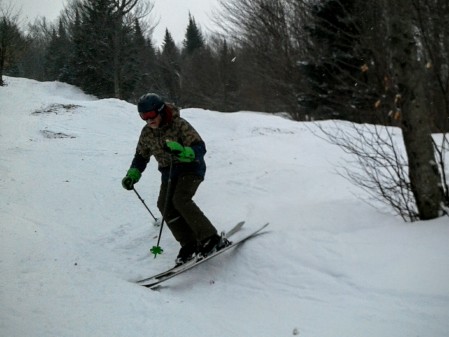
(132, 177)
(185, 154)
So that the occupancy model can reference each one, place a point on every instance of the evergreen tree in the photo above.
(193, 38)
(130, 61)
(148, 76)
(32, 61)
(200, 86)
(334, 68)
(12, 43)
(57, 55)
(74, 61)
(169, 64)
(105, 50)
(228, 78)
(199, 72)
(93, 42)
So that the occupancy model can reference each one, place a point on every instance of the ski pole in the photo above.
(157, 249)
(143, 202)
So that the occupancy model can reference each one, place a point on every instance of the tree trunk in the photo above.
(116, 62)
(1, 66)
(408, 75)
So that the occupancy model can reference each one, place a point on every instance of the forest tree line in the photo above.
(311, 59)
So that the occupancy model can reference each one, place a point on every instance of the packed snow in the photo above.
(73, 241)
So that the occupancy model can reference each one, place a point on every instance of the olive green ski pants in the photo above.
(184, 218)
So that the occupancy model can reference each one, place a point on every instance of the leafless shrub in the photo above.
(379, 166)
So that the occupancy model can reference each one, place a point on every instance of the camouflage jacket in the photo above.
(173, 128)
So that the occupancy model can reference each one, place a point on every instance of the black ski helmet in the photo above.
(150, 102)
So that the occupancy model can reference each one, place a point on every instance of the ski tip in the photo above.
(234, 229)
(240, 224)
(265, 226)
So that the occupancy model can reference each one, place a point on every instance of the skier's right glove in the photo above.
(132, 177)
(184, 154)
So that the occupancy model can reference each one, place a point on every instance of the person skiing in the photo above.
(179, 150)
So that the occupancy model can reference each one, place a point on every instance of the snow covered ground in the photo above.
(73, 240)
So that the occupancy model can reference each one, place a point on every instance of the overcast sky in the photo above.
(173, 14)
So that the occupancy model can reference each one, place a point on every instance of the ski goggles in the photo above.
(148, 115)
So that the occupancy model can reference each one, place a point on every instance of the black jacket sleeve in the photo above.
(139, 162)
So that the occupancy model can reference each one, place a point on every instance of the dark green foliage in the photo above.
(199, 79)
(228, 78)
(144, 63)
(334, 76)
(199, 83)
(104, 58)
(322, 59)
(93, 55)
(12, 44)
(194, 40)
(58, 55)
(170, 69)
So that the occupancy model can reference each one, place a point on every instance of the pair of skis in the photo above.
(155, 280)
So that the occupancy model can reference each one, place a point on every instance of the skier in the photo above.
(179, 151)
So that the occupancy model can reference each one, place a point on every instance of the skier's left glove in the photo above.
(185, 154)
(132, 177)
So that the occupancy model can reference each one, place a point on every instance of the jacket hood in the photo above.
(170, 113)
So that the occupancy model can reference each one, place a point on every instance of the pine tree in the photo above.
(169, 64)
(12, 43)
(193, 38)
(148, 76)
(57, 55)
(228, 78)
(94, 58)
(334, 68)
(199, 72)
(104, 49)
(200, 86)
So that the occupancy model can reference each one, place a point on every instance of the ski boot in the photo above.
(213, 244)
(186, 253)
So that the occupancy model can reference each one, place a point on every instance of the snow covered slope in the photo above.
(73, 240)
